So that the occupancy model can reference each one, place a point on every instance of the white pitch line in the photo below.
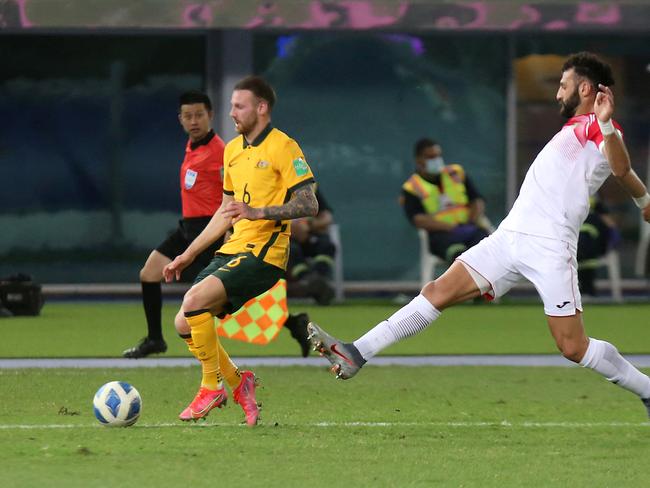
(530, 360)
(503, 423)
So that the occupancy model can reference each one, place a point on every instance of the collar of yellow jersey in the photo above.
(260, 138)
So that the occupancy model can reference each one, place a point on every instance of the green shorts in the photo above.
(243, 275)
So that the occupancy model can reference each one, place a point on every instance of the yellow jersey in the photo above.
(262, 174)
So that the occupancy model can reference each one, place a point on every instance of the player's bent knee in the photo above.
(144, 275)
(195, 299)
(436, 293)
(428, 289)
(191, 302)
(182, 327)
(572, 350)
(152, 270)
(442, 292)
(572, 356)
(150, 274)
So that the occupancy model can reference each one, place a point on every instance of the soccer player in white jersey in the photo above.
(536, 241)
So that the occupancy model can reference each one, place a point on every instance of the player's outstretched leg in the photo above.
(345, 358)
(604, 358)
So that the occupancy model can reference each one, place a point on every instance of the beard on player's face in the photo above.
(568, 107)
(245, 125)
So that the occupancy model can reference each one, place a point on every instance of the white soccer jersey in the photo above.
(554, 198)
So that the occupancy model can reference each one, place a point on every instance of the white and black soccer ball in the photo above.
(117, 404)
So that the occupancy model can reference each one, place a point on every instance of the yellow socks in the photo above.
(204, 345)
(229, 369)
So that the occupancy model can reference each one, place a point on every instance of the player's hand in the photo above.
(604, 104)
(646, 213)
(176, 267)
(300, 230)
(236, 211)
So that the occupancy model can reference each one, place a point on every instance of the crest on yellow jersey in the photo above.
(300, 165)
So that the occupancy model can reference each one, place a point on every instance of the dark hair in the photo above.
(259, 87)
(422, 144)
(193, 96)
(591, 67)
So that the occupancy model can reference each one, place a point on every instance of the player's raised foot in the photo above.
(646, 402)
(204, 401)
(244, 395)
(297, 325)
(145, 347)
(345, 358)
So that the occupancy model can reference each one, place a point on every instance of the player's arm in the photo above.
(218, 225)
(616, 152)
(303, 203)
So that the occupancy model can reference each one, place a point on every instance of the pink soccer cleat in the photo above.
(244, 394)
(204, 401)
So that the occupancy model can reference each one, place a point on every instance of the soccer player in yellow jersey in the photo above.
(266, 183)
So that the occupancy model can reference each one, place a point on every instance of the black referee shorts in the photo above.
(179, 240)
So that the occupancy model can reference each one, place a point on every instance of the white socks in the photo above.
(604, 358)
(407, 321)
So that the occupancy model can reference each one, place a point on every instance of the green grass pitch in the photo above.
(389, 426)
(90, 329)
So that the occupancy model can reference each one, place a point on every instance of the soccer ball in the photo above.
(117, 404)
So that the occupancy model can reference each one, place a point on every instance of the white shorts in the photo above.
(505, 258)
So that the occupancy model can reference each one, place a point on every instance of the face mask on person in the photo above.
(434, 165)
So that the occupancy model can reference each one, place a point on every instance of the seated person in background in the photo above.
(442, 200)
(597, 234)
(311, 256)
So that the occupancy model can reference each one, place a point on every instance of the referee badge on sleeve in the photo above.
(190, 178)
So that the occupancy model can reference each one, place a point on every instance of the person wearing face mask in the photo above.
(536, 241)
(442, 200)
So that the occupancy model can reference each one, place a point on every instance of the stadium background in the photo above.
(90, 146)
(90, 149)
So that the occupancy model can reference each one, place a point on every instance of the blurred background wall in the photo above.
(90, 145)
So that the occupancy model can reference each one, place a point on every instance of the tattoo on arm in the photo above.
(303, 203)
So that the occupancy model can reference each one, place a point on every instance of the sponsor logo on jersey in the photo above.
(300, 165)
